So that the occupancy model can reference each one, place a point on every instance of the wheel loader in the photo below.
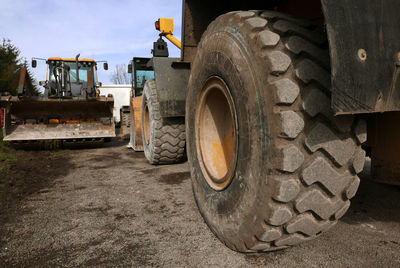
(70, 112)
(140, 71)
(273, 101)
(160, 136)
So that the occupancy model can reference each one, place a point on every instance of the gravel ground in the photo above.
(108, 207)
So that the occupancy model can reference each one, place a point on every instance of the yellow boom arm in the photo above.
(166, 27)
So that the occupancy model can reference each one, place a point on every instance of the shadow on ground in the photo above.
(31, 172)
(373, 201)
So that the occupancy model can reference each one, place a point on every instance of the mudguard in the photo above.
(171, 76)
(364, 40)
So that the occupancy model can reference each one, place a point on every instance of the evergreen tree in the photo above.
(10, 67)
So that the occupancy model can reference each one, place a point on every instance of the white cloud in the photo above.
(104, 30)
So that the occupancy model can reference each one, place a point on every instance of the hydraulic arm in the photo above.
(166, 27)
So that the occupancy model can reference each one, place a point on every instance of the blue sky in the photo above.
(103, 30)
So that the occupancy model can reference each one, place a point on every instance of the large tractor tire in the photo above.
(164, 139)
(271, 166)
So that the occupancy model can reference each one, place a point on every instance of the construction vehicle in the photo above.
(160, 136)
(140, 71)
(70, 112)
(280, 97)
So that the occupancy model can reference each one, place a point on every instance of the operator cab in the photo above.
(63, 74)
(142, 71)
(65, 81)
(70, 78)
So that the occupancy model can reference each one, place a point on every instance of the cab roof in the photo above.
(70, 59)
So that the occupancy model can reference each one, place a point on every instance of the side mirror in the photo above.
(129, 68)
(105, 66)
(34, 63)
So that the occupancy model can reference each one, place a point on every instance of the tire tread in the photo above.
(297, 56)
(169, 139)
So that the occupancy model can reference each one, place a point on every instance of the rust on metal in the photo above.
(216, 137)
(22, 77)
(89, 78)
(25, 83)
(362, 54)
(136, 126)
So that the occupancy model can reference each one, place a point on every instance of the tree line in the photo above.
(120, 75)
(10, 67)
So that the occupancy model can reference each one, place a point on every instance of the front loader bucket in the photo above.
(58, 119)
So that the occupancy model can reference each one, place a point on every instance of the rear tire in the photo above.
(288, 165)
(164, 139)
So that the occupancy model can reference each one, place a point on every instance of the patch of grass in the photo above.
(7, 154)
(59, 152)
(7, 157)
(4, 168)
(3, 144)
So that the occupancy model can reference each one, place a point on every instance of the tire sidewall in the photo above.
(147, 98)
(224, 53)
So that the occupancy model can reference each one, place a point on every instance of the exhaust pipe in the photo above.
(77, 67)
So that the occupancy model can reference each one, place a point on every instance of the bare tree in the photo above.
(120, 75)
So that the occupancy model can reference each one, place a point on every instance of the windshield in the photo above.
(83, 68)
(83, 71)
(142, 76)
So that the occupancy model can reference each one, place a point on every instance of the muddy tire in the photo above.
(164, 139)
(271, 167)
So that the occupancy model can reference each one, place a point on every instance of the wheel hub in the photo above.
(216, 133)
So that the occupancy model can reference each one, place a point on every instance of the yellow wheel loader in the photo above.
(70, 111)
(141, 71)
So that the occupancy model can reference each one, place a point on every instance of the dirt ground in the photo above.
(108, 207)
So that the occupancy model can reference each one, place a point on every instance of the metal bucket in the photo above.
(58, 119)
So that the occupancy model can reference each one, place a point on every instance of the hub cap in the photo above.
(216, 137)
